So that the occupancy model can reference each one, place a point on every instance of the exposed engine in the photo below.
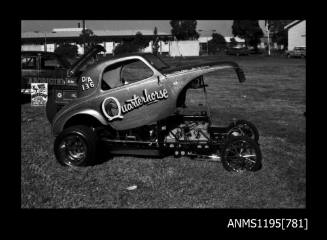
(189, 131)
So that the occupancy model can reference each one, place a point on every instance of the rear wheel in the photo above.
(241, 153)
(76, 146)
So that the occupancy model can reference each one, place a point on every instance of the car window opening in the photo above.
(124, 73)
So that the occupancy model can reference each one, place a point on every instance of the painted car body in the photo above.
(136, 104)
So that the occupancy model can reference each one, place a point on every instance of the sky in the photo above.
(224, 27)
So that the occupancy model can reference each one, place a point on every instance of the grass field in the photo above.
(273, 98)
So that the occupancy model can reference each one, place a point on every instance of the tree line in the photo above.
(249, 30)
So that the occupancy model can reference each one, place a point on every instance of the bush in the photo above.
(67, 50)
(125, 47)
(132, 45)
(217, 43)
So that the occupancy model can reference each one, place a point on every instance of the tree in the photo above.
(155, 45)
(67, 50)
(184, 29)
(277, 31)
(233, 42)
(132, 45)
(216, 43)
(87, 38)
(124, 47)
(249, 30)
(140, 41)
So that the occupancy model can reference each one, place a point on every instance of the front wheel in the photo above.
(241, 153)
(244, 128)
(75, 146)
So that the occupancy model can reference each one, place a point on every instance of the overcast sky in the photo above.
(223, 27)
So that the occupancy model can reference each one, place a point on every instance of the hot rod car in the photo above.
(132, 104)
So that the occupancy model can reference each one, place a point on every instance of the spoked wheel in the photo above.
(241, 153)
(244, 128)
(75, 146)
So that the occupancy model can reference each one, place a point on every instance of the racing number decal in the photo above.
(87, 83)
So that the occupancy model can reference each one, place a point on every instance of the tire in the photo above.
(76, 146)
(244, 128)
(51, 108)
(241, 153)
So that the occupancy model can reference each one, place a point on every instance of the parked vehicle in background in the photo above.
(41, 67)
(54, 69)
(297, 52)
(238, 51)
(57, 71)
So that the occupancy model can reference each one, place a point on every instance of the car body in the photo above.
(132, 104)
(297, 52)
(238, 51)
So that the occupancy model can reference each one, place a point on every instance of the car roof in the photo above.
(38, 52)
(123, 55)
(62, 59)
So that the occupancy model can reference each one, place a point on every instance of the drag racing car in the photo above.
(133, 104)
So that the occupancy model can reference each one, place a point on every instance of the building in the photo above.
(48, 41)
(296, 34)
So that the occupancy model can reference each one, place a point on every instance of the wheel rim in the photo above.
(240, 155)
(72, 150)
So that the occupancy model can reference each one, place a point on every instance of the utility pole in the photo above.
(83, 23)
(45, 41)
(268, 31)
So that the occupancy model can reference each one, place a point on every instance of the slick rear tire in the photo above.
(76, 146)
(241, 153)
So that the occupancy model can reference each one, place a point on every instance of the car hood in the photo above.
(89, 54)
(204, 68)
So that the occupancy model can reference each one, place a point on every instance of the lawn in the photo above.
(273, 98)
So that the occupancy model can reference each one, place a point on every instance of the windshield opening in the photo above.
(156, 62)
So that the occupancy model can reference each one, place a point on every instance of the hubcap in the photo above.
(240, 155)
(72, 149)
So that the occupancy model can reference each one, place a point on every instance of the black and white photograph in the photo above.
(163, 114)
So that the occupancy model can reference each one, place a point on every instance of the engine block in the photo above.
(189, 131)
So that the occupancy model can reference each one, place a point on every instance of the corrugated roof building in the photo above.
(48, 41)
